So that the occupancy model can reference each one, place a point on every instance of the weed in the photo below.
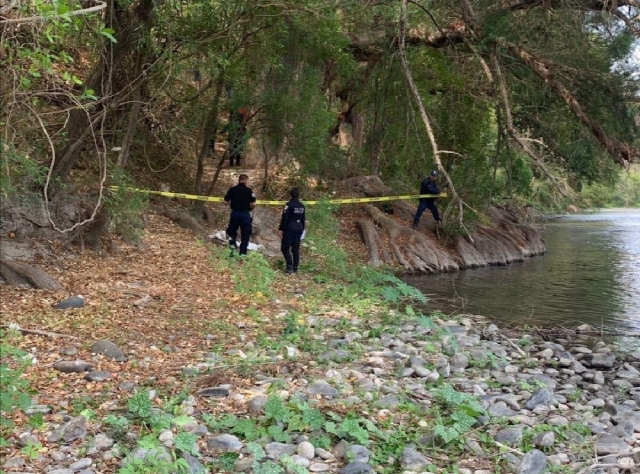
(14, 389)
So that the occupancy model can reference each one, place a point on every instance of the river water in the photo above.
(590, 274)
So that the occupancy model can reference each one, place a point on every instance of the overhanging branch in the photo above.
(33, 19)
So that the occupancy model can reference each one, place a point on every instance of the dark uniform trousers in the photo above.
(240, 220)
(290, 245)
(427, 204)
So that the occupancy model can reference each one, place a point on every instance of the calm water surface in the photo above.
(591, 274)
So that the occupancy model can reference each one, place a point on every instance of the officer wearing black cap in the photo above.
(241, 200)
(428, 186)
(291, 229)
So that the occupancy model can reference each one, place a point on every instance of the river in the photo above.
(590, 274)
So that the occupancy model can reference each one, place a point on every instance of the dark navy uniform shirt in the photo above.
(428, 187)
(240, 196)
(292, 216)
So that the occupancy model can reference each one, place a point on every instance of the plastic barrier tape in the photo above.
(282, 203)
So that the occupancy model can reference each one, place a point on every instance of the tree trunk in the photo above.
(21, 274)
(208, 133)
(80, 119)
(370, 238)
(123, 157)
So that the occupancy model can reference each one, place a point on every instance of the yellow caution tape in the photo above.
(281, 203)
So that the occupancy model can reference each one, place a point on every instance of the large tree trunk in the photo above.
(21, 274)
(129, 29)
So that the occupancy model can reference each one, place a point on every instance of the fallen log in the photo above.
(21, 274)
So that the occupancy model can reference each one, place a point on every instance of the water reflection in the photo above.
(590, 274)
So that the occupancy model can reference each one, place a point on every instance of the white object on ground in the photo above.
(304, 233)
(222, 236)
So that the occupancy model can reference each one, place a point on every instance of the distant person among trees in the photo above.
(291, 229)
(241, 200)
(236, 131)
(428, 186)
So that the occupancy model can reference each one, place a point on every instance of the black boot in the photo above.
(295, 269)
(290, 270)
(415, 225)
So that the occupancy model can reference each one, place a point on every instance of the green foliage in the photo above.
(14, 387)
(125, 207)
(20, 174)
(252, 274)
(625, 193)
(140, 405)
(118, 425)
(186, 442)
(154, 465)
(457, 413)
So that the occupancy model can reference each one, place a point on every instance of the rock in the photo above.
(596, 403)
(276, 450)
(501, 409)
(185, 423)
(632, 417)
(541, 397)
(610, 444)
(459, 362)
(215, 392)
(319, 467)
(74, 429)
(98, 376)
(356, 468)
(74, 302)
(546, 439)
(148, 455)
(306, 450)
(225, 443)
(58, 456)
(69, 351)
(534, 462)
(109, 350)
(195, 466)
(102, 442)
(604, 360)
(324, 454)
(14, 463)
(61, 471)
(81, 464)
(300, 461)
(557, 421)
(421, 371)
(509, 436)
(389, 401)
(623, 429)
(72, 366)
(412, 460)
(322, 387)
(358, 453)
(257, 403)
(598, 378)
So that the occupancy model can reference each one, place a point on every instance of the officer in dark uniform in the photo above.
(242, 200)
(291, 229)
(428, 186)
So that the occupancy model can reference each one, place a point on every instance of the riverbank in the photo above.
(234, 366)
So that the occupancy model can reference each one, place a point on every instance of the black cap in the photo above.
(434, 173)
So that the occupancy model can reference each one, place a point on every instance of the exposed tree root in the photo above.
(20, 274)
(185, 221)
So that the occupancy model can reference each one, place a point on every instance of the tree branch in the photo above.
(32, 19)
(622, 153)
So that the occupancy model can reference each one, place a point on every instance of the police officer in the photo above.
(242, 200)
(291, 229)
(428, 186)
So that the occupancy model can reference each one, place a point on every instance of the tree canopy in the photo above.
(523, 97)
